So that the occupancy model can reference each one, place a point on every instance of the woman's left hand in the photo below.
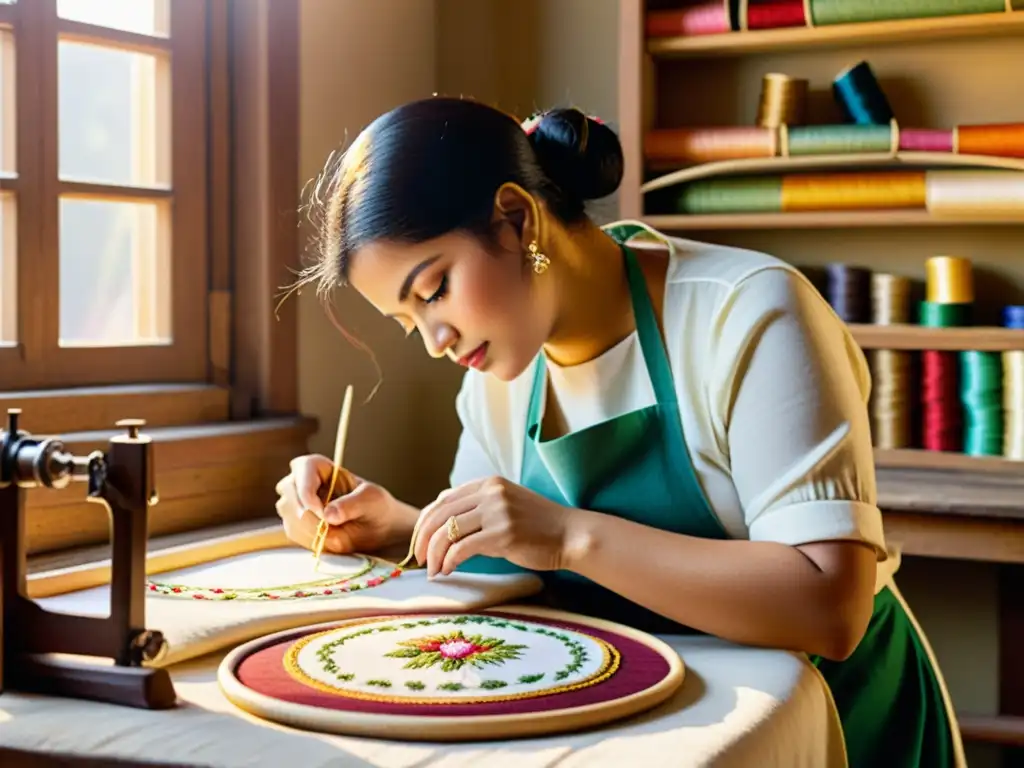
(496, 518)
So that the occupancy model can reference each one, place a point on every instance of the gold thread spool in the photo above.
(1013, 405)
(890, 398)
(949, 280)
(853, 191)
(783, 101)
(890, 299)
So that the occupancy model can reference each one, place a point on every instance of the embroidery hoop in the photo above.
(608, 665)
(611, 704)
(329, 586)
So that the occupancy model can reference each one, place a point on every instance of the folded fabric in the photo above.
(225, 602)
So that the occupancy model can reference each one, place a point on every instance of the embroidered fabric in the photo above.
(469, 658)
(289, 578)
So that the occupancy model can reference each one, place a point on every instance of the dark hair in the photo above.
(433, 166)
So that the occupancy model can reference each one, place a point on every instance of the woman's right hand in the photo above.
(363, 516)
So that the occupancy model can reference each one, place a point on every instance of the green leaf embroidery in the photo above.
(459, 650)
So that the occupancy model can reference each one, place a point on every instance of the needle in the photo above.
(339, 453)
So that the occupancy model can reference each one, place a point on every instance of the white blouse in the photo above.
(772, 392)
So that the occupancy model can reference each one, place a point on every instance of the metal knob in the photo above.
(132, 425)
(12, 420)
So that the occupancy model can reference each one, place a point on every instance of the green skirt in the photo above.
(889, 696)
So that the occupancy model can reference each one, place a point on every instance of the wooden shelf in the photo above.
(1005, 730)
(942, 461)
(868, 33)
(822, 220)
(916, 337)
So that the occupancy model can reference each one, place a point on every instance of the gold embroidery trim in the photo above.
(610, 661)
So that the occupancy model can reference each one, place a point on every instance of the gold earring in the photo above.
(540, 261)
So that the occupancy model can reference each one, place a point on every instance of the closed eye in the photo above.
(441, 291)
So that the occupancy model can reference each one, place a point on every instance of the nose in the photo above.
(439, 338)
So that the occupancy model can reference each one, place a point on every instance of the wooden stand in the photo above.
(121, 480)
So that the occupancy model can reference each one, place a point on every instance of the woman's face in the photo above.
(478, 304)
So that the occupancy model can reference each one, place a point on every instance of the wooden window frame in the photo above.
(39, 361)
(224, 430)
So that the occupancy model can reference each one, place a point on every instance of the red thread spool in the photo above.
(940, 406)
(775, 14)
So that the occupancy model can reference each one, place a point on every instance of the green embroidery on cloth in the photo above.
(453, 650)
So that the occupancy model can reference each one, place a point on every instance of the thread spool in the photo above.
(926, 140)
(981, 384)
(853, 191)
(1013, 317)
(1013, 405)
(890, 404)
(848, 290)
(860, 97)
(775, 14)
(890, 299)
(838, 139)
(940, 402)
(998, 139)
(708, 145)
(825, 12)
(710, 18)
(783, 101)
(975, 193)
(949, 280)
(731, 195)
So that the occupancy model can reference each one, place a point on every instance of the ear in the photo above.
(518, 206)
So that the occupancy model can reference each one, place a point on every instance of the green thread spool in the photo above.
(839, 139)
(981, 395)
(932, 315)
(825, 12)
(742, 195)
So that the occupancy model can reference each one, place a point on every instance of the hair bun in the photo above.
(580, 155)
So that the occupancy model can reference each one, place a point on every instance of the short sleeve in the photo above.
(788, 390)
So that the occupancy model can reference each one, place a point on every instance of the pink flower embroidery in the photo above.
(453, 650)
(458, 649)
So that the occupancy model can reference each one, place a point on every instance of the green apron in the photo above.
(637, 466)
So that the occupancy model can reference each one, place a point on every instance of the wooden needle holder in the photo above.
(122, 480)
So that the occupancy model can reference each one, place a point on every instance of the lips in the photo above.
(476, 358)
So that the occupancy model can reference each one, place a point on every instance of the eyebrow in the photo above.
(406, 288)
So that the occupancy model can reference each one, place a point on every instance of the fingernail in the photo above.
(301, 513)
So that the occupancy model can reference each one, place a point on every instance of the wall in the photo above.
(521, 55)
(360, 59)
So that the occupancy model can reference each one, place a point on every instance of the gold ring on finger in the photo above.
(453, 529)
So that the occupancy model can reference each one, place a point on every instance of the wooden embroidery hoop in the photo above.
(461, 728)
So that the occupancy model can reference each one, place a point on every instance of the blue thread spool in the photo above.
(860, 97)
(1013, 317)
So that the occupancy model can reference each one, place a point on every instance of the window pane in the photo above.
(146, 17)
(114, 116)
(8, 273)
(114, 273)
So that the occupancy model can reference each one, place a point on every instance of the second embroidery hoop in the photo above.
(328, 586)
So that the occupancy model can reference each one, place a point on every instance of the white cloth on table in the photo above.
(196, 627)
(737, 707)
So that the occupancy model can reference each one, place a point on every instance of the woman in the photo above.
(673, 434)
